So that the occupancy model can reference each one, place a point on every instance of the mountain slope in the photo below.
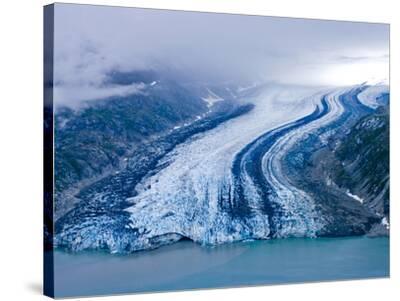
(364, 155)
(94, 140)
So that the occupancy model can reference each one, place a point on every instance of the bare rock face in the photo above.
(364, 154)
(378, 229)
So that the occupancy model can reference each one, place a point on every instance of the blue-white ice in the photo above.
(370, 96)
(181, 200)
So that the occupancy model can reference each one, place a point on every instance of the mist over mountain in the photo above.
(93, 41)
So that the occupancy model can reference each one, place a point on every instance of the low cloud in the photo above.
(74, 96)
(92, 41)
(352, 59)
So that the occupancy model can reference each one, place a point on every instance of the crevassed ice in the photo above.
(183, 197)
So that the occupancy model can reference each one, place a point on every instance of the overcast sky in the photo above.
(90, 41)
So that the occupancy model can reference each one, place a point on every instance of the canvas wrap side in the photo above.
(48, 229)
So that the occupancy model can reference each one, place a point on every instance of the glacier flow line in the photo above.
(295, 213)
(250, 163)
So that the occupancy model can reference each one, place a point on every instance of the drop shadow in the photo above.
(36, 288)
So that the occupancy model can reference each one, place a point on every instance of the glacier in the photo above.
(371, 95)
(184, 198)
(225, 184)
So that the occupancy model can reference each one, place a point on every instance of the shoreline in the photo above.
(187, 265)
(211, 247)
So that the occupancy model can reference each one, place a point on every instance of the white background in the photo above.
(21, 147)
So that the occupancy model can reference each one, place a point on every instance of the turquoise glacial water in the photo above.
(186, 265)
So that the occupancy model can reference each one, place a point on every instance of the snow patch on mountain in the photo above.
(211, 98)
(355, 197)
